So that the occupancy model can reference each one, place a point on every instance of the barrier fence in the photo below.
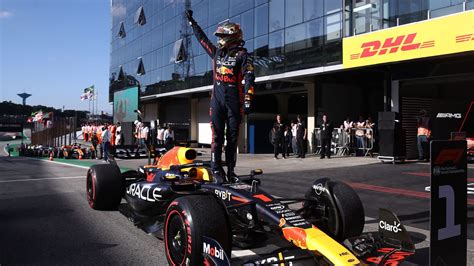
(61, 132)
(344, 143)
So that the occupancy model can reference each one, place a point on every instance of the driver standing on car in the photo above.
(233, 89)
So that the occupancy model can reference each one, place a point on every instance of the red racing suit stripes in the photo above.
(233, 77)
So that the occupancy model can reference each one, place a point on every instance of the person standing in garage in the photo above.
(326, 137)
(423, 134)
(301, 136)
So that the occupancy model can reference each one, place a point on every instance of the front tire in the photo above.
(338, 212)
(197, 225)
(105, 187)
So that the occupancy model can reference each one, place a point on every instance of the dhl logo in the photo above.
(464, 38)
(391, 45)
(224, 70)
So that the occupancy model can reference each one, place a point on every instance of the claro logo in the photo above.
(391, 45)
(395, 228)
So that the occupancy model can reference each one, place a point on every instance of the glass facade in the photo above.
(152, 44)
(281, 35)
(362, 16)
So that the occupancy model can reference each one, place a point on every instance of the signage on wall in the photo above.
(448, 215)
(439, 36)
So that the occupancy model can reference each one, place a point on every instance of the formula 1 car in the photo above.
(201, 217)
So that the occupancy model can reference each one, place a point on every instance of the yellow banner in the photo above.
(439, 36)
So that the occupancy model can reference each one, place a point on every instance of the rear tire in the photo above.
(341, 216)
(105, 187)
(192, 221)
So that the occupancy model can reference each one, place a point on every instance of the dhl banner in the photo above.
(439, 36)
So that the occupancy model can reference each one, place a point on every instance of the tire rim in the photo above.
(176, 238)
(90, 190)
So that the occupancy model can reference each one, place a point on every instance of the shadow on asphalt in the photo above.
(49, 226)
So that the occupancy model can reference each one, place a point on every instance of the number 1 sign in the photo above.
(448, 228)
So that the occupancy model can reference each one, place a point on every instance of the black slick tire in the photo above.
(193, 226)
(104, 186)
(343, 216)
(350, 210)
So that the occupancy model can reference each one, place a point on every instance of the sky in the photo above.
(53, 49)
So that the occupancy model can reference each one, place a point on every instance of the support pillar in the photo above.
(194, 123)
(312, 113)
(395, 104)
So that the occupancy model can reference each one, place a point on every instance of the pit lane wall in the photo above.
(440, 36)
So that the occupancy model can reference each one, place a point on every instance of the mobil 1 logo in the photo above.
(448, 228)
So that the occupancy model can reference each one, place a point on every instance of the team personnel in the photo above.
(278, 138)
(233, 89)
(326, 137)
(423, 134)
(301, 136)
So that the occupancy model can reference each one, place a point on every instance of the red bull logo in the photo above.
(225, 70)
(295, 235)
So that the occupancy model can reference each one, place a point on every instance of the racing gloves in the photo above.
(189, 15)
(248, 101)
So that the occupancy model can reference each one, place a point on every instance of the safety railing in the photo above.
(346, 142)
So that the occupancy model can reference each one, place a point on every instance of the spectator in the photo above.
(347, 125)
(143, 135)
(161, 135)
(8, 149)
(369, 134)
(301, 134)
(294, 143)
(360, 140)
(287, 142)
(278, 137)
(423, 124)
(94, 142)
(118, 138)
(169, 137)
(326, 137)
(105, 143)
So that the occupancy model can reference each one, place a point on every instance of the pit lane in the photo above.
(45, 218)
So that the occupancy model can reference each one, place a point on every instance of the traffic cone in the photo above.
(51, 156)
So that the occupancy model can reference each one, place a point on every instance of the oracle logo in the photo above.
(391, 45)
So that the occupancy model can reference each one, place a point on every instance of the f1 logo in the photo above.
(449, 155)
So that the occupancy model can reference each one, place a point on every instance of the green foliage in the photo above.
(10, 108)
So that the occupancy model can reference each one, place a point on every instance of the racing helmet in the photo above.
(229, 33)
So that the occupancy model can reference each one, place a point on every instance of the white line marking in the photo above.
(41, 179)
(73, 165)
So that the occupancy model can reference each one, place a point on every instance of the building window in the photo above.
(141, 67)
(140, 16)
(218, 11)
(277, 14)
(313, 9)
(261, 20)
(121, 32)
(247, 24)
(293, 12)
(179, 52)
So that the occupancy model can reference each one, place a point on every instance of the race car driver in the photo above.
(232, 92)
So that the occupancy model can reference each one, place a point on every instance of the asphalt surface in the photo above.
(45, 218)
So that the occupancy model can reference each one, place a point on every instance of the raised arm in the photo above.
(249, 80)
(200, 35)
